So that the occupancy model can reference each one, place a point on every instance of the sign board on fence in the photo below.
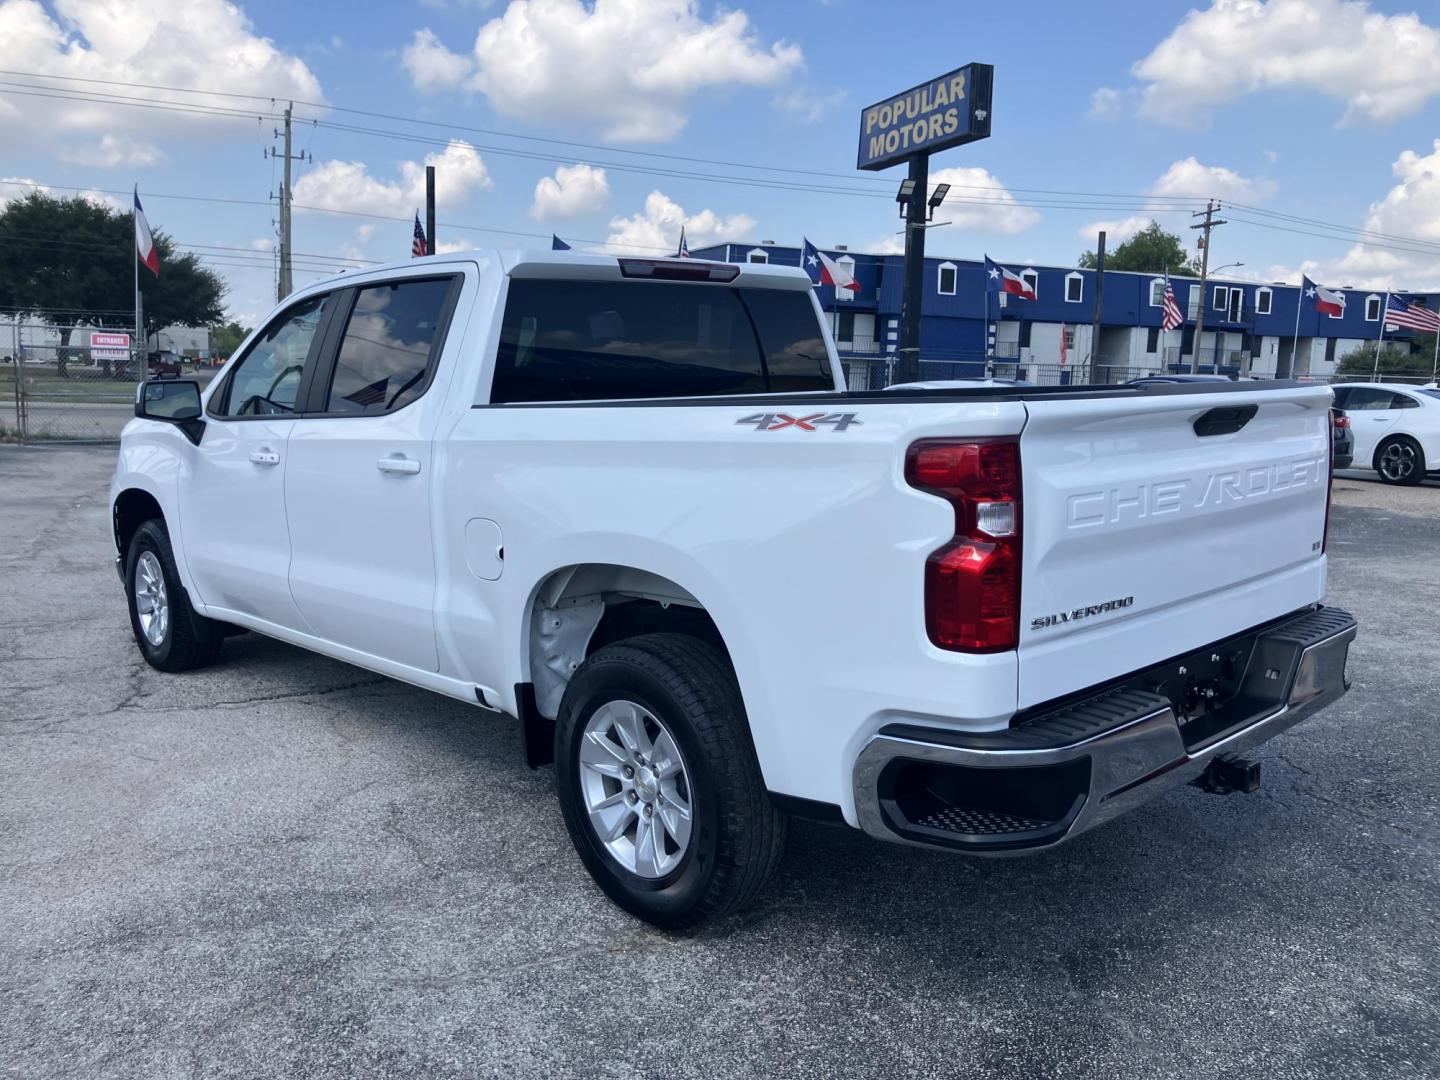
(936, 115)
(109, 346)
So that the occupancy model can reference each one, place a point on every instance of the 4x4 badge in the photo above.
(775, 421)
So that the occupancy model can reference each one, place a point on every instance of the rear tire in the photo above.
(1400, 460)
(172, 636)
(676, 699)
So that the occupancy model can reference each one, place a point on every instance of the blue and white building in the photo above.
(1249, 328)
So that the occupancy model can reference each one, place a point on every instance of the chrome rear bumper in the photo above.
(1060, 773)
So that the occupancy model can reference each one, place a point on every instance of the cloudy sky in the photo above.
(612, 122)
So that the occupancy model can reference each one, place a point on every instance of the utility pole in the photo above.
(285, 284)
(1099, 299)
(1211, 207)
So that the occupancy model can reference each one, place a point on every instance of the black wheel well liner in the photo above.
(133, 507)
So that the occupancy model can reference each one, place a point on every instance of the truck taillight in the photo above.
(972, 583)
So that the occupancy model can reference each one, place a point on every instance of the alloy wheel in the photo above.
(635, 788)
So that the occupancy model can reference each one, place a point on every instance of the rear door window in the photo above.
(388, 350)
(616, 340)
(1368, 399)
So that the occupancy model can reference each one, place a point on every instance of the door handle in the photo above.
(265, 457)
(402, 465)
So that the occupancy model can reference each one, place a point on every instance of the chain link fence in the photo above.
(74, 383)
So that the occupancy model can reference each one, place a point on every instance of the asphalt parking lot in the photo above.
(287, 867)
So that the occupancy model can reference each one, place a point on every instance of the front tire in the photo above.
(1400, 460)
(659, 784)
(172, 636)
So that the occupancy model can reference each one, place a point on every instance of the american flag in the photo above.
(418, 246)
(1411, 316)
(374, 394)
(1172, 317)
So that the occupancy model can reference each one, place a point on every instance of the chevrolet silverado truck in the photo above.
(629, 504)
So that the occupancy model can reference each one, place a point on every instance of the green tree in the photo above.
(1150, 251)
(71, 262)
(227, 338)
(1409, 361)
(185, 294)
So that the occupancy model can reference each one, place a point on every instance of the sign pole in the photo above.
(947, 111)
(909, 365)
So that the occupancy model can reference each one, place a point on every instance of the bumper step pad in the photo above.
(1068, 767)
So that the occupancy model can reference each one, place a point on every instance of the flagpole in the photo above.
(135, 260)
(1384, 310)
(1295, 341)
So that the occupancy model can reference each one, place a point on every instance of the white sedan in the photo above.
(1397, 428)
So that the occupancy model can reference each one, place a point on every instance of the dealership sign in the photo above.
(109, 346)
(944, 112)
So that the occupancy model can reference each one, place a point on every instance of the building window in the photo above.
(1157, 292)
(1372, 308)
(1152, 338)
(1032, 281)
(1262, 301)
(845, 326)
(949, 273)
(1193, 302)
(1025, 333)
(1237, 305)
(756, 255)
(1222, 298)
(1074, 288)
(846, 263)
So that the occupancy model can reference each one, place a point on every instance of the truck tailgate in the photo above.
(1152, 526)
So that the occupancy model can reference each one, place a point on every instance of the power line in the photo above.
(1086, 200)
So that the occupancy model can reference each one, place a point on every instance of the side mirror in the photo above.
(174, 401)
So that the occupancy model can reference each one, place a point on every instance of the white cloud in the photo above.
(450, 247)
(431, 65)
(101, 198)
(656, 229)
(993, 210)
(112, 151)
(889, 244)
(193, 44)
(1117, 230)
(349, 185)
(17, 187)
(625, 67)
(572, 191)
(1409, 210)
(1106, 103)
(1187, 178)
(1379, 66)
(809, 104)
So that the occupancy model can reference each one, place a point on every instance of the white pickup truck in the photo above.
(629, 503)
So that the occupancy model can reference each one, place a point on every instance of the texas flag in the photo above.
(1327, 301)
(144, 242)
(998, 279)
(824, 270)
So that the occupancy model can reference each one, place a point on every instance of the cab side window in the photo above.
(391, 339)
(267, 378)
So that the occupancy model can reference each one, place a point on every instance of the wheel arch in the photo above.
(131, 508)
(575, 610)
